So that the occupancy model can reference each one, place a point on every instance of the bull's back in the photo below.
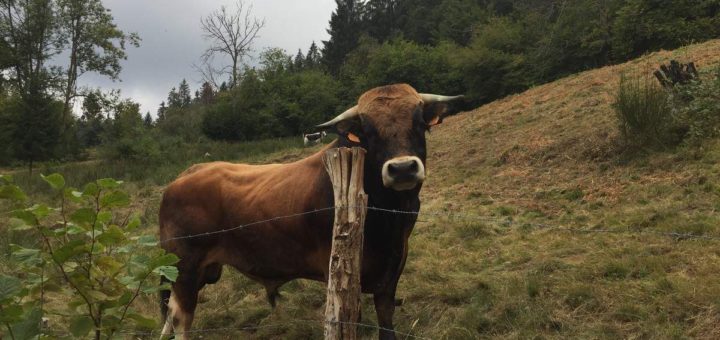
(219, 198)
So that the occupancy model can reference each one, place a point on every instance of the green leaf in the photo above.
(40, 210)
(83, 216)
(112, 236)
(26, 216)
(55, 180)
(164, 260)
(142, 321)
(108, 264)
(74, 229)
(169, 272)
(70, 250)
(18, 224)
(111, 322)
(108, 183)
(81, 325)
(96, 295)
(12, 192)
(147, 240)
(76, 304)
(90, 190)
(26, 256)
(114, 199)
(125, 298)
(103, 217)
(29, 327)
(73, 195)
(9, 286)
(133, 223)
(11, 314)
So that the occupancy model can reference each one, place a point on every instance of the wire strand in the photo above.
(467, 218)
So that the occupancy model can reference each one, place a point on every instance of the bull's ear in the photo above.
(436, 107)
(433, 113)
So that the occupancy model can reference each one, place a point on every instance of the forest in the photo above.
(485, 49)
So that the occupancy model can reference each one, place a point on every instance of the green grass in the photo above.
(489, 278)
(165, 169)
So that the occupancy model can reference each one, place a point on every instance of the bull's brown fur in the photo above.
(389, 108)
(212, 197)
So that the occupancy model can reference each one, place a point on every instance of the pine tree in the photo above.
(207, 94)
(345, 29)
(184, 94)
(148, 121)
(174, 100)
(380, 17)
(312, 58)
(298, 62)
(161, 112)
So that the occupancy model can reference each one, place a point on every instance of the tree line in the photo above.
(485, 49)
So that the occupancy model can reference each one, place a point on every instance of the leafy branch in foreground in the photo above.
(87, 268)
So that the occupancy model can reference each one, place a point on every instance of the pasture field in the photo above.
(533, 225)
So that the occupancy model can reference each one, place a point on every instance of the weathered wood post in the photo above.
(342, 306)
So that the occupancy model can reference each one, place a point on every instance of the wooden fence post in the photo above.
(342, 306)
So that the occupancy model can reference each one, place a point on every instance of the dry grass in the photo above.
(547, 156)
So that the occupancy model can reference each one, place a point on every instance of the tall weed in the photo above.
(644, 112)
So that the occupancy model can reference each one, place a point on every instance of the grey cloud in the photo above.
(172, 40)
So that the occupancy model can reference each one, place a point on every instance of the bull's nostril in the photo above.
(392, 169)
(414, 167)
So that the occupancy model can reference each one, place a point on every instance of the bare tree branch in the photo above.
(210, 74)
(231, 35)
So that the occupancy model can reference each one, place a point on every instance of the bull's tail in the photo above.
(164, 295)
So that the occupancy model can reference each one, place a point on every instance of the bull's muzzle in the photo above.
(403, 173)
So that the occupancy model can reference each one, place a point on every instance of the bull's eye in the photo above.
(353, 137)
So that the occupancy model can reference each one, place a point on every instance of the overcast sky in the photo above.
(172, 40)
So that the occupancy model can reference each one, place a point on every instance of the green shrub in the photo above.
(85, 267)
(426, 68)
(698, 107)
(644, 112)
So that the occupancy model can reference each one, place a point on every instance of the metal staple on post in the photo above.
(342, 308)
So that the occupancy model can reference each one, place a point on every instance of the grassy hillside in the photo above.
(520, 169)
(533, 225)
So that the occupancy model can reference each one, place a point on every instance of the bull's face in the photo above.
(390, 122)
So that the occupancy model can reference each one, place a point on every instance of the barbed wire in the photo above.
(242, 226)
(505, 221)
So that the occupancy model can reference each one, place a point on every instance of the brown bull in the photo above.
(389, 122)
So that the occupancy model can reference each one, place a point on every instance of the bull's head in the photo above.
(390, 123)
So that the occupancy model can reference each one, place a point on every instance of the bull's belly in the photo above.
(277, 262)
(269, 267)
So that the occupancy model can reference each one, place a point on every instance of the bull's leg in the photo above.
(271, 290)
(183, 301)
(385, 308)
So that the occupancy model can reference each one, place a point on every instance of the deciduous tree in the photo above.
(231, 34)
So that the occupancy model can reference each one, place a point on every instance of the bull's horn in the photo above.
(433, 98)
(350, 113)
